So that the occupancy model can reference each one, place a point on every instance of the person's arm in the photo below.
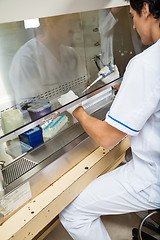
(100, 131)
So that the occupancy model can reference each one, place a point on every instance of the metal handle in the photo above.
(142, 222)
(1, 176)
(2, 164)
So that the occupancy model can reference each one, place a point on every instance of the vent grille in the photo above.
(57, 91)
(17, 169)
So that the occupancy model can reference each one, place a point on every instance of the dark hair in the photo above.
(154, 6)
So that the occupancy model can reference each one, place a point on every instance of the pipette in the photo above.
(95, 81)
(99, 78)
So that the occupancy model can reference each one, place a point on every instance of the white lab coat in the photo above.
(140, 118)
(136, 185)
(35, 70)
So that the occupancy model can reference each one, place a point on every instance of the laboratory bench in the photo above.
(51, 191)
(43, 181)
(40, 182)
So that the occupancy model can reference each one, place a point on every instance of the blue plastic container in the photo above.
(32, 137)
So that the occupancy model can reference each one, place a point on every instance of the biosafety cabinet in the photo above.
(55, 55)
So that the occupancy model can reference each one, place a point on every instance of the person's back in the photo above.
(141, 116)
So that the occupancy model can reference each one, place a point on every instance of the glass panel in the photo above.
(108, 41)
(38, 65)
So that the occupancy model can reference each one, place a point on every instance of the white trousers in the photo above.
(106, 195)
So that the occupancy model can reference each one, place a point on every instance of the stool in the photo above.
(139, 235)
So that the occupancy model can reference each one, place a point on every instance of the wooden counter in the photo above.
(35, 219)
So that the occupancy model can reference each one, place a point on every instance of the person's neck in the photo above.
(156, 31)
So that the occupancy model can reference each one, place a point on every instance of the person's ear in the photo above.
(145, 10)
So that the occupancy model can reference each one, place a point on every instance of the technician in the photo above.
(135, 112)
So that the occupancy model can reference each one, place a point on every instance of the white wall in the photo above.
(17, 10)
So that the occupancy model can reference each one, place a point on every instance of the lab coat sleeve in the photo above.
(106, 23)
(137, 98)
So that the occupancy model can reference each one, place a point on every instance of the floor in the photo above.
(119, 228)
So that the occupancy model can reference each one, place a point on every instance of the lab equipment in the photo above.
(51, 127)
(68, 97)
(17, 148)
(39, 108)
(109, 69)
(11, 119)
(114, 75)
(32, 137)
(95, 81)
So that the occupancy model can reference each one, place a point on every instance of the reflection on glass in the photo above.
(47, 60)
(104, 60)
(106, 25)
(65, 53)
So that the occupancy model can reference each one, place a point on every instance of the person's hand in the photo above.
(78, 113)
(114, 75)
(68, 97)
(104, 71)
(73, 109)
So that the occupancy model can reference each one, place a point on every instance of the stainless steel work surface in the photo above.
(53, 151)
